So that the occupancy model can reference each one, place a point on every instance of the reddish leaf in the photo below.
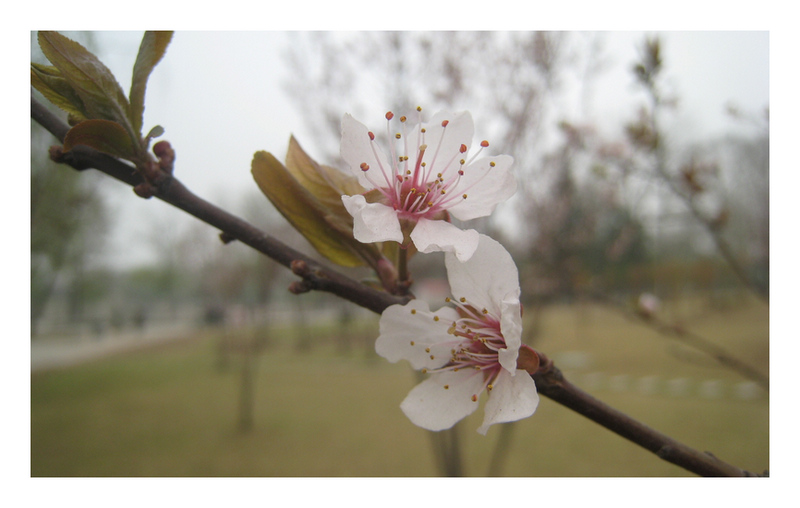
(328, 234)
(102, 135)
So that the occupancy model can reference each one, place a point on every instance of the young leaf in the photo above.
(328, 184)
(325, 183)
(154, 133)
(48, 81)
(152, 49)
(97, 88)
(326, 233)
(102, 135)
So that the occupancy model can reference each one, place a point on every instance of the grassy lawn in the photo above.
(172, 411)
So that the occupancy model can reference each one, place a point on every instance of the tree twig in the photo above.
(761, 290)
(171, 190)
(549, 380)
(690, 339)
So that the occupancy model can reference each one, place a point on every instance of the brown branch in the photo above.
(172, 191)
(551, 383)
(549, 380)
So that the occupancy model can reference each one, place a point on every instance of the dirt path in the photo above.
(52, 352)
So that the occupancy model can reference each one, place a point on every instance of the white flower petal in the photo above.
(484, 186)
(356, 148)
(441, 236)
(372, 222)
(511, 328)
(512, 398)
(487, 278)
(448, 140)
(410, 332)
(432, 406)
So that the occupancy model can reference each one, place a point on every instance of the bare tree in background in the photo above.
(702, 186)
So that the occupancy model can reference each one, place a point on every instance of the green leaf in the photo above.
(102, 135)
(152, 49)
(154, 133)
(49, 82)
(329, 234)
(326, 183)
(96, 86)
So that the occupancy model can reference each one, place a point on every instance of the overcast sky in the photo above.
(219, 96)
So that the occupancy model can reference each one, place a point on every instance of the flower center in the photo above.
(478, 339)
(422, 179)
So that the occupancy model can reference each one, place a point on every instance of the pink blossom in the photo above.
(426, 177)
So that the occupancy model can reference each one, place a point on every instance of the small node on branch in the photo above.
(299, 267)
(299, 287)
(402, 287)
(58, 155)
(149, 170)
(166, 156)
(226, 237)
(145, 190)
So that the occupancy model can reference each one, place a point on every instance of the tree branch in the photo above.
(549, 380)
(172, 191)
(551, 383)
(761, 290)
(689, 339)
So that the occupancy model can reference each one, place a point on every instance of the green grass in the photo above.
(172, 411)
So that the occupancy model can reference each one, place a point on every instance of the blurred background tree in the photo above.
(600, 207)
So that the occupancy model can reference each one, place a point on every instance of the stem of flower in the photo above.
(403, 277)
